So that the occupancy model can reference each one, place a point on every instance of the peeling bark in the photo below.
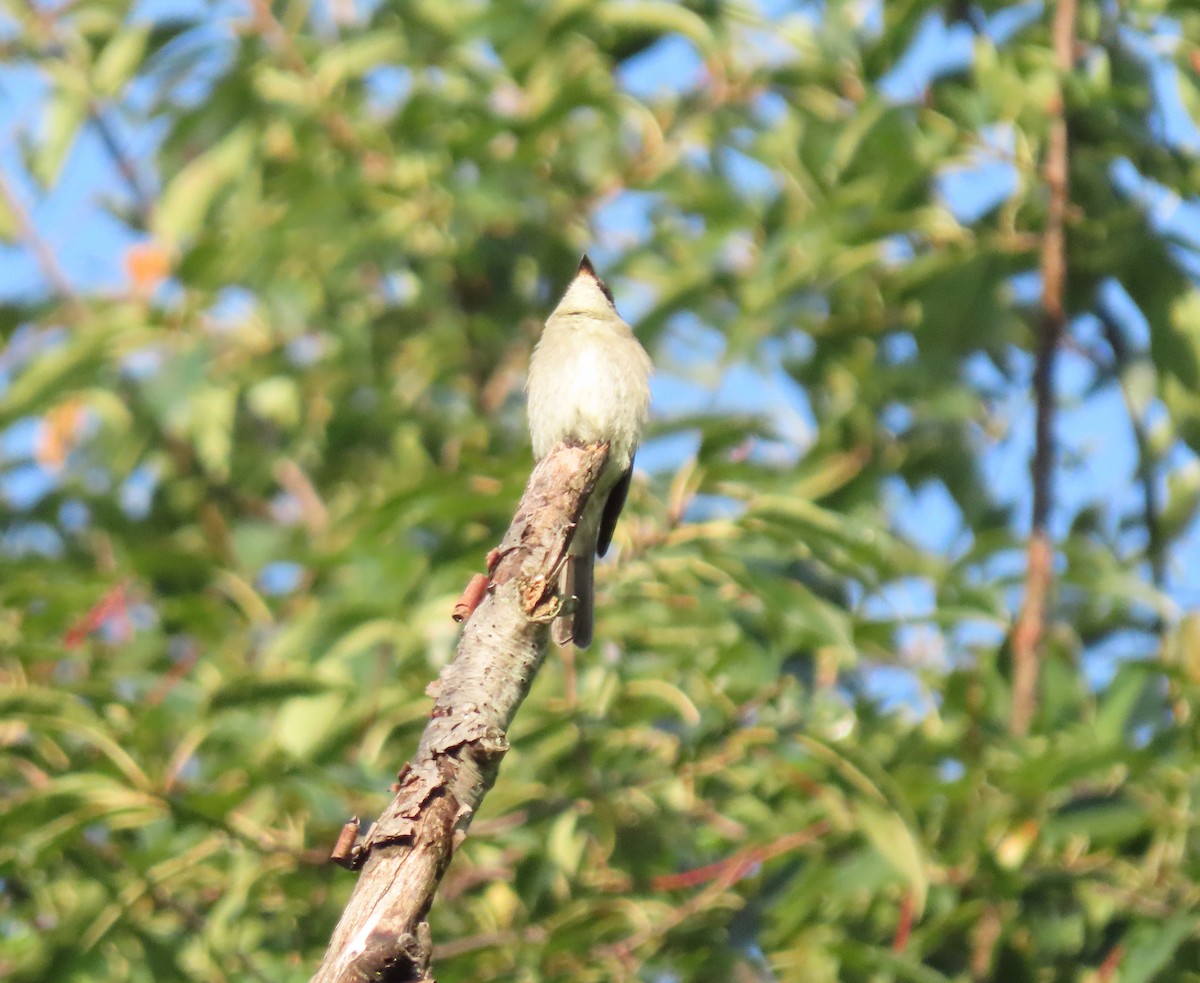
(382, 934)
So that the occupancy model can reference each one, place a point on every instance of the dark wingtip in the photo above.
(585, 266)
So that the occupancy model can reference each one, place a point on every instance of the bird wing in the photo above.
(612, 510)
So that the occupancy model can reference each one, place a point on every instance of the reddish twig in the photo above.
(114, 604)
(172, 676)
(1112, 962)
(734, 867)
(904, 922)
(1031, 621)
(298, 484)
(345, 850)
(723, 875)
(469, 600)
(984, 938)
(475, 590)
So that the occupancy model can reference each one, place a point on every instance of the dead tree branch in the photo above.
(383, 934)
(1031, 622)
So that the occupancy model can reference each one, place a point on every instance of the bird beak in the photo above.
(587, 269)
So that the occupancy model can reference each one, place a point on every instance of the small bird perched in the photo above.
(589, 382)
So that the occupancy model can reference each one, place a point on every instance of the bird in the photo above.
(588, 382)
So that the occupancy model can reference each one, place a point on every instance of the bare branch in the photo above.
(1031, 621)
(383, 934)
(42, 253)
(143, 203)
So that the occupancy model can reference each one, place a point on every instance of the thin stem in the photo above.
(1031, 621)
(142, 201)
(42, 253)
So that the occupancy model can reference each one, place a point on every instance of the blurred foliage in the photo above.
(265, 465)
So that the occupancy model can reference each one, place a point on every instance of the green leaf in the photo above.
(1119, 700)
(665, 18)
(1183, 499)
(1104, 822)
(61, 123)
(210, 421)
(252, 691)
(1185, 345)
(877, 960)
(10, 228)
(357, 56)
(119, 61)
(187, 198)
(1150, 946)
(890, 835)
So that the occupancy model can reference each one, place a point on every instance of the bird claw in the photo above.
(552, 609)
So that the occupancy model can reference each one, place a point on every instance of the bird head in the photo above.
(587, 294)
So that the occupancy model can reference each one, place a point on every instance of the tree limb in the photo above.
(1031, 621)
(383, 934)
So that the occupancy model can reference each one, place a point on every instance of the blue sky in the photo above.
(1093, 428)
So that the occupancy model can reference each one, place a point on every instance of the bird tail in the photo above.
(577, 582)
